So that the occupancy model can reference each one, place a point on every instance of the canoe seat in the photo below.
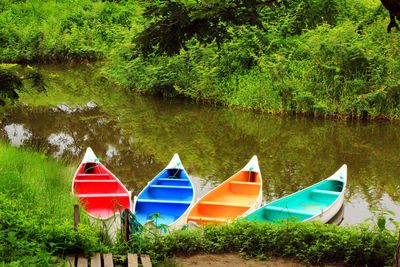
(208, 219)
(92, 176)
(176, 182)
(87, 187)
(245, 183)
(95, 181)
(164, 201)
(293, 212)
(325, 192)
(103, 195)
(170, 187)
(172, 179)
(217, 203)
(240, 187)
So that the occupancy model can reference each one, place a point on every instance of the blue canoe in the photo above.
(320, 201)
(170, 193)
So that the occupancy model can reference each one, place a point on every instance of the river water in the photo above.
(135, 136)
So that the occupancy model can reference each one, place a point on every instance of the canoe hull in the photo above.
(170, 193)
(237, 196)
(329, 212)
(320, 201)
(99, 191)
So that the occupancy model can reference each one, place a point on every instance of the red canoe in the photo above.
(100, 193)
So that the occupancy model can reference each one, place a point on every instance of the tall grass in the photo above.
(41, 181)
(36, 214)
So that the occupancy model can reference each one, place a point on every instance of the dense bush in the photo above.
(313, 243)
(43, 31)
(330, 59)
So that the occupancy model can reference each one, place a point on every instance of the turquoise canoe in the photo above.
(320, 201)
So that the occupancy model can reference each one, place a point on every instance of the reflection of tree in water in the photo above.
(213, 142)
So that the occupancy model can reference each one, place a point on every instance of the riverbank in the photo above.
(36, 211)
(340, 64)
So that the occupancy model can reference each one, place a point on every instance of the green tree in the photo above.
(12, 77)
(175, 22)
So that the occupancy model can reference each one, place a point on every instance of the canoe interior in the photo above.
(230, 200)
(170, 194)
(99, 191)
(302, 205)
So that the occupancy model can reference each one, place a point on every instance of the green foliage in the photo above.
(323, 58)
(38, 31)
(384, 219)
(173, 23)
(313, 243)
(309, 59)
(10, 82)
(12, 78)
(36, 218)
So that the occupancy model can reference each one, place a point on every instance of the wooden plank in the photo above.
(70, 260)
(146, 262)
(82, 262)
(95, 260)
(132, 260)
(108, 260)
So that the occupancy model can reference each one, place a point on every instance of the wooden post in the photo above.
(132, 260)
(76, 217)
(70, 260)
(126, 225)
(82, 262)
(397, 260)
(95, 260)
(108, 260)
(146, 262)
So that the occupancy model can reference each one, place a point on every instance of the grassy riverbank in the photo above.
(338, 64)
(321, 58)
(36, 213)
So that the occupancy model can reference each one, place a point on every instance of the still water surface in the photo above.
(136, 136)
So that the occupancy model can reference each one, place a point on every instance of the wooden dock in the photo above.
(107, 260)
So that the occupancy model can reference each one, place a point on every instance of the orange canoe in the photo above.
(238, 196)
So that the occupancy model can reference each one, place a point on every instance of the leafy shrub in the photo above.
(34, 31)
(314, 243)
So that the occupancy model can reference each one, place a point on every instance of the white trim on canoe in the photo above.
(252, 165)
(255, 167)
(175, 163)
(329, 212)
(91, 157)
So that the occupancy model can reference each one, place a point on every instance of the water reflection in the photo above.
(16, 134)
(135, 137)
